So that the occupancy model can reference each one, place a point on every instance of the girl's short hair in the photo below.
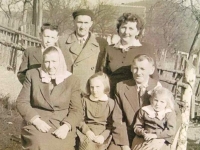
(105, 80)
(164, 91)
(129, 17)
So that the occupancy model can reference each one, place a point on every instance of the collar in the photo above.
(46, 78)
(102, 98)
(84, 38)
(126, 48)
(145, 85)
(72, 38)
(153, 114)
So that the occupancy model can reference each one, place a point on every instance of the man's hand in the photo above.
(90, 135)
(99, 139)
(41, 125)
(61, 132)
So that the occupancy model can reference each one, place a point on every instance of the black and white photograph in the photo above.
(100, 74)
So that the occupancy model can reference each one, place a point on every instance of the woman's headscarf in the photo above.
(61, 71)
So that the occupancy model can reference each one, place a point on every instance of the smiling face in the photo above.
(51, 62)
(96, 87)
(141, 71)
(49, 37)
(159, 102)
(82, 25)
(128, 31)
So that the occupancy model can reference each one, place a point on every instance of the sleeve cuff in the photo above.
(69, 125)
(32, 119)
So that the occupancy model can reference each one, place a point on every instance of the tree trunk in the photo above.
(195, 43)
(188, 86)
(37, 16)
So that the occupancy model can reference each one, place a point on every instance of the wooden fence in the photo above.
(12, 45)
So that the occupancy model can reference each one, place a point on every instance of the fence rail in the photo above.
(12, 45)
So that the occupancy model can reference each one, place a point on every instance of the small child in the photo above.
(96, 128)
(155, 124)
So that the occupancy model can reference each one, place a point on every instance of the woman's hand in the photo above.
(149, 136)
(61, 132)
(125, 147)
(41, 125)
(90, 135)
(99, 139)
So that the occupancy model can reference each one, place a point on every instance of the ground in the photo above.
(10, 120)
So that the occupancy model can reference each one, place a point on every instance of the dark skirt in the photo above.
(32, 139)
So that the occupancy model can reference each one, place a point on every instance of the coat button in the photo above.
(92, 68)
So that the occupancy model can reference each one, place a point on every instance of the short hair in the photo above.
(129, 17)
(142, 57)
(48, 26)
(105, 80)
(163, 91)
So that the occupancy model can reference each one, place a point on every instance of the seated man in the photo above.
(130, 96)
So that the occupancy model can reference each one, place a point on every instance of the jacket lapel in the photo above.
(90, 48)
(57, 91)
(132, 96)
(44, 88)
(38, 55)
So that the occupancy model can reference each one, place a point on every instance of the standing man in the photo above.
(33, 56)
(82, 50)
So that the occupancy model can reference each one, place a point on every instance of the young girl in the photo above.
(155, 124)
(96, 127)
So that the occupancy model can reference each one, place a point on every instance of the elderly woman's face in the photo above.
(51, 62)
(128, 31)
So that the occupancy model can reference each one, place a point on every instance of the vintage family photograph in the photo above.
(100, 75)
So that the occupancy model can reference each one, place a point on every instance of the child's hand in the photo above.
(41, 125)
(149, 136)
(90, 135)
(61, 132)
(99, 139)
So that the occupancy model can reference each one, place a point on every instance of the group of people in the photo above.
(81, 93)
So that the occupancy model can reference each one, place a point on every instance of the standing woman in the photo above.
(50, 104)
(120, 55)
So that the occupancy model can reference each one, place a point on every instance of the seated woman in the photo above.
(117, 64)
(50, 104)
(155, 124)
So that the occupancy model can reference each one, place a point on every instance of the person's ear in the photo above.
(91, 23)
(152, 69)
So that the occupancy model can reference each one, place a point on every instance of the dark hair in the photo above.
(142, 57)
(105, 80)
(48, 26)
(129, 17)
